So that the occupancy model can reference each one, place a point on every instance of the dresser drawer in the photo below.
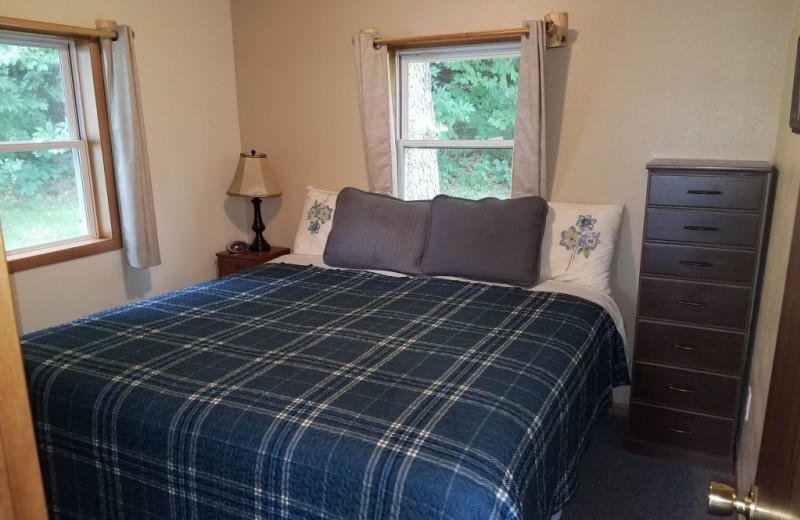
(690, 347)
(707, 191)
(681, 388)
(703, 227)
(701, 263)
(694, 302)
(686, 430)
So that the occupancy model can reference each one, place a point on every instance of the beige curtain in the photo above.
(528, 167)
(129, 148)
(377, 120)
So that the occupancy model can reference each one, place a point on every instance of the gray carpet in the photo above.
(616, 484)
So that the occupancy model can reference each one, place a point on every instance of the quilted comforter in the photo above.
(298, 392)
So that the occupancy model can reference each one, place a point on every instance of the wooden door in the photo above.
(21, 492)
(776, 494)
(778, 472)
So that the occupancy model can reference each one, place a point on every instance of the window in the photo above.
(457, 108)
(55, 179)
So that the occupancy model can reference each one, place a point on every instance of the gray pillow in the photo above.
(489, 239)
(374, 231)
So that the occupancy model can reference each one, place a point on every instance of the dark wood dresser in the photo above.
(704, 239)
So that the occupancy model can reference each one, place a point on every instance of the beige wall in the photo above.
(639, 80)
(787, 160)
(185, 60)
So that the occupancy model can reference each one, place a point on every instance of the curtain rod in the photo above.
(53, 29)
(555, 23)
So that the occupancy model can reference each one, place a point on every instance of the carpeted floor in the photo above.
(615, 484)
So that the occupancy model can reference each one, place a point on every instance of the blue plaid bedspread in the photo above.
(297, 392)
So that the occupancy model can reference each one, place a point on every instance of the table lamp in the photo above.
(254, 179)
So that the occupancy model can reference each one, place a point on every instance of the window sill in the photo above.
(61, 253)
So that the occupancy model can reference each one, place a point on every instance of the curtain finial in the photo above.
(557, 27)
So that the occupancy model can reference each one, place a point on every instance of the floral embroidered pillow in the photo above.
(315, 222)
(579, 243)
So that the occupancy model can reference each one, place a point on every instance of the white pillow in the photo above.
(315, 222)
(579, 242)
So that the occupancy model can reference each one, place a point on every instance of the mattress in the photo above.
(291, 391)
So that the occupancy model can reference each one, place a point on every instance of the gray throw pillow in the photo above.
(374, 231)
(489, 239)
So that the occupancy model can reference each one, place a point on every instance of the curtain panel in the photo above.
(129, 150)
(375, 107)
(529, 165)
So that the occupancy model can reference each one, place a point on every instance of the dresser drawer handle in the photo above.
(687, 348)
(681, 389)
(691, 304)
(700, 228)
(704, 192)
(696, 264)
(678, 430)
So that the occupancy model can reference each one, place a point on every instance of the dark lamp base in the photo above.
(259, 243)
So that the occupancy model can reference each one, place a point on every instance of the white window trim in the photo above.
(77, 141)
(402, 59)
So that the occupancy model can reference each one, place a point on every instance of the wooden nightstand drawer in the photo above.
(234, 265)
(694, 302)
(701, 263)
(230, 263)
(724, 229)
(686, 389)
(690, 347)
(687, 430)
(707, 191)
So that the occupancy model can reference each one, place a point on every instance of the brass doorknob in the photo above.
(722, 501)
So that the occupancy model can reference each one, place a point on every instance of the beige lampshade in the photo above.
(253, 177)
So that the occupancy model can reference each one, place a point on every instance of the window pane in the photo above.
(41, 197)
(32, 92)
(460, 172)
(462, 99)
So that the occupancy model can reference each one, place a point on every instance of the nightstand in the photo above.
(229, 263)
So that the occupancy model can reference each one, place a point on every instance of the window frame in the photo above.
(90, 135)
(454, 52)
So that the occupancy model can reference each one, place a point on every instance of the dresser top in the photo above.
(708, 164)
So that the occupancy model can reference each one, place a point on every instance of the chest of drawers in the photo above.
(704, 236)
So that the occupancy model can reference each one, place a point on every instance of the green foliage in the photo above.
(32, 94)
(475, 174)
(31, 222)
(37, 182)
(475, 99)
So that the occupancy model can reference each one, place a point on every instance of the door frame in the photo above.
(21, 490)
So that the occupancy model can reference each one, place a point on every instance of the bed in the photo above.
(452, 370)
(293, 390)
